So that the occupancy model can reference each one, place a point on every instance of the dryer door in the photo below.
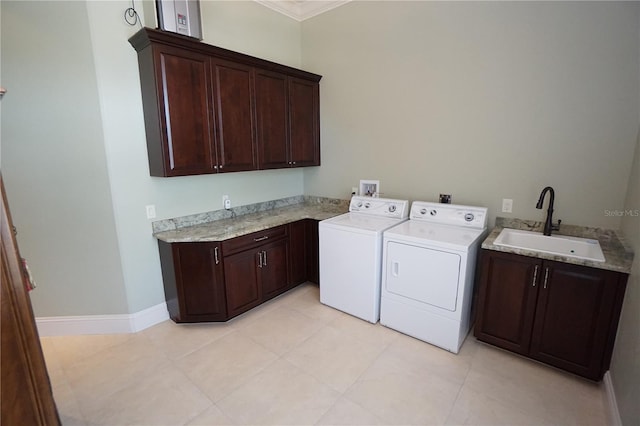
(423, 274)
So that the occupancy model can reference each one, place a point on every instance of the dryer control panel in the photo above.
(386, 207)
(449, 214)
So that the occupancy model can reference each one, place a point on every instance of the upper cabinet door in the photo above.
(304, 124)
(234, 115)
(271, 120)
(185, 129)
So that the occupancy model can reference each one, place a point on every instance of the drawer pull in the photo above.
(261, 238)
(216, 255)
(535, 275)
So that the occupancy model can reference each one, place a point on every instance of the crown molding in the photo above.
(302, 9)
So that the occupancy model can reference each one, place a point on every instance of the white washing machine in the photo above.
(351, 255)
(428, 272)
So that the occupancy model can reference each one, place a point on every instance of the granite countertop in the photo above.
(220, 225)
(618, 255)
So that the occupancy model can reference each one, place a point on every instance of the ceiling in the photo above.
(302, 9)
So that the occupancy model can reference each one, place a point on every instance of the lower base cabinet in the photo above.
(216, 281)
(561, 314)
(193, 279)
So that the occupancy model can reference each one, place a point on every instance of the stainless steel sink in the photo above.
(580, 248)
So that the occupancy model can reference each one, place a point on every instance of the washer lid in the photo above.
(362, 221)
(444, 236)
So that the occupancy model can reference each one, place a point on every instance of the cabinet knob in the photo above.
(294, 163)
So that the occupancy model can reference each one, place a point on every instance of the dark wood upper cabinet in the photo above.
(272, 109)
(304, 122)
(180, 134)
(234, 106)
(561, 314)
(212, 110)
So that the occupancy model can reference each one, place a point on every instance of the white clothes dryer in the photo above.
(350, 250)
(428, 272)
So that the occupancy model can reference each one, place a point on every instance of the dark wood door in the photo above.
(185, 128)
(297, 252)
(574, 317)
(271, 119)
(241, 280)
(234, 112)
(273, 273)
(507, 300)
(304, 122)
(26, 397)
(200, 280)
(313, 260)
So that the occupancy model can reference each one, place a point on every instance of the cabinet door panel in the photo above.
(186, 128)
(573, 317)
(507, 301)
(271, 119)
(241, 279)
(234, 111)
(313, 261)
(298, 252)
(273, 274)
(199, 278)
(304, 125)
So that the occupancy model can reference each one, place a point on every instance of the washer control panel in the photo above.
(386, 207)
(449, 214)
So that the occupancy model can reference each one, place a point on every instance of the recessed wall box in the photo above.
(180, 16)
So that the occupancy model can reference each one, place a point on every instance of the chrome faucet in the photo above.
(548, 223)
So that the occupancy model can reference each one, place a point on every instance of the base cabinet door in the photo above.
(273, 272)
(193, 279)
(313, 260)
(241, 281)
(561, 314)
(507, 300)
(574, 317)
(298, 252)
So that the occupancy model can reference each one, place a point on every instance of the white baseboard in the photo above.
(102, 324)
(612, 403)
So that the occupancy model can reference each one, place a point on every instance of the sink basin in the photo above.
(562, 245)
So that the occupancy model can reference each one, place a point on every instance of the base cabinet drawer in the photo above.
(562, 314)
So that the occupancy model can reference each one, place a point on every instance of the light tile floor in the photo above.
(294, 361)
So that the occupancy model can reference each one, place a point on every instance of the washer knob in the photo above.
(392, 208)
(423, 211)
(359, 204)
(469, 217)
(367, 205)
(433, 212)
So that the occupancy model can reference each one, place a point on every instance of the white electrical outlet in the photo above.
(507, 205)
(226, 202)
(151, 211)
